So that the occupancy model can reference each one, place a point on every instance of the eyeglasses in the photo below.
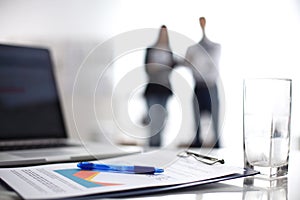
(202, 158)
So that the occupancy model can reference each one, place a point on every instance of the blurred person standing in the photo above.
(159, 63)
(204, 58)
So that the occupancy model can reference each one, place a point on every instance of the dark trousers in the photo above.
(206, 100)
(157, 113)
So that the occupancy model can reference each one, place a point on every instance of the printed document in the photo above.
(67, 180)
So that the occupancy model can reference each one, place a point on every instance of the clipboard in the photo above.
(65, 181)
(157, 190)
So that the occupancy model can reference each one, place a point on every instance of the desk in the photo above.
(288, 188)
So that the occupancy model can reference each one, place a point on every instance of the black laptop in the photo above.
(32, 128)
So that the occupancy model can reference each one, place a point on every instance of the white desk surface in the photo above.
(288, 188)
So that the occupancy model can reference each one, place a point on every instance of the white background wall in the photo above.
(258, 38)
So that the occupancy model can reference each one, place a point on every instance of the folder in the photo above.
(66, 180)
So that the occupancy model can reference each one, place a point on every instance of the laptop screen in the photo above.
(29, 102)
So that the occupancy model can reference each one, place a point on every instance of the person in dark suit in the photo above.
(203, 58)
(159, 63)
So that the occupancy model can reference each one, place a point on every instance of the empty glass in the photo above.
(266, 123)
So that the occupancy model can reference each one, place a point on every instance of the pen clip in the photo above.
(202, 158)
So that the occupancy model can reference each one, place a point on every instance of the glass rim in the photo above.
(267, 79)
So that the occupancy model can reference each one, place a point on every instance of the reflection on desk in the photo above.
(256, 188)
(242, 188)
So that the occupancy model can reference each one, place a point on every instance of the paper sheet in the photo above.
(66, 180)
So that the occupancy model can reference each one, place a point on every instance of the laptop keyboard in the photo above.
(33, 145)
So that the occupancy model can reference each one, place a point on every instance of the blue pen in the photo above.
(119, 168)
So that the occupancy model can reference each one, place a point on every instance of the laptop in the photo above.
(32, 127)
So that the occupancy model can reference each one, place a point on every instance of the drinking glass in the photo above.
(266, 125)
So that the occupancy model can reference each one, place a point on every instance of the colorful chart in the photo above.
(84, 177)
